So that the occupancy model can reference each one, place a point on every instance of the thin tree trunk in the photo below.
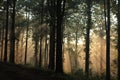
(17, 53)
(40, 54)
(36, 52)
(26, 45)
(2, 42)
(52, 35)
(118, 16)
(69, 52)
(21, 47)
(76, 49)
(88, 37)
(108, 42)
(6, 32)
(45, 52)
(101, 54)
(12, 38)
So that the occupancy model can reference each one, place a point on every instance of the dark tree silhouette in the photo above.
(41, 33)
(59, 38)
(40, 54)
(12, 35)
(108, 42)
(52, 12)
(26, 41)
(118, 17)
(6, 31)
(88, 36)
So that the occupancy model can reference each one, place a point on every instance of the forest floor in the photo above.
(18, 72)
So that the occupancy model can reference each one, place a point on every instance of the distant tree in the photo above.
(26, 41)
(41, 32)
(27, 10)
(2, 32)
(40, 54)
(36, 41)
(88, 27)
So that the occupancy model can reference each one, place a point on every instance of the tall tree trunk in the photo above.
(40, 54)
(69, 52)
(16, 52)
(101, 52)
(36, 52)
(105, 15)
(12, 35)
(88, 37)
(52, 6)
(108, 42)
(59, 37)
(76, 49)
(21, 47)
(118, 17)
(26, 45)
(45, 61)
(2, 40)
(6, 31)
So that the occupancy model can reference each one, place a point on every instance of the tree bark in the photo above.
(108, 42)
(52, 6)
(2, 40)
(59, 37)
(12, 35)
(6, 31)
(40, 54)
(118, 17)
(88, 37)
(26, 45)
(36, 52)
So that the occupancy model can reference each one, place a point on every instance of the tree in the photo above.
(108, 42)
(59, 55)
(118, 17)
(27, 29)
(6, 31)
(88, 27)
(12, 35)
(2, 29)
(36, 40)
(51, 8)
(41, 33)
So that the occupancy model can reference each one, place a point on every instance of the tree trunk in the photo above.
(26, 45)
(52, 35)
(40, 54)
(2, 40)
(59, 37)
(45, 61)
(6, 31)
(36, 52)
(16, 52)
(21, 47)
(108, 42)
(76, 49)
(88, 37)
(118, 17)
(69, 52)
(12, 35)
